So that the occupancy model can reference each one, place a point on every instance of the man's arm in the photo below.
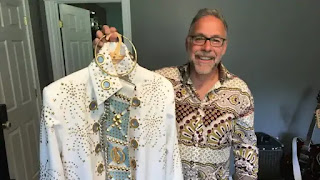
(244, 144)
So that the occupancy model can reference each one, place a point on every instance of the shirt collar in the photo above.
(105, 85)
(224, 74)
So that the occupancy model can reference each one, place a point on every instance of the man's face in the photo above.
(206, 57)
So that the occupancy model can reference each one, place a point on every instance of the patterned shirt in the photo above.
(208, 129)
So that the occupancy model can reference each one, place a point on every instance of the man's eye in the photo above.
(216, 40)
(199, 38)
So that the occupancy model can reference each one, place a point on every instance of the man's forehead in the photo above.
(209, 33)
(209, 26)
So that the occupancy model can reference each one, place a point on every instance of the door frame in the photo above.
(55, 40)
(33, 56)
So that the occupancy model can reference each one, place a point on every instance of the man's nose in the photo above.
(207, 45)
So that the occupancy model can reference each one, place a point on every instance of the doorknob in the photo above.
(6, 125)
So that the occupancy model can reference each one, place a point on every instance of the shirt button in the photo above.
(95, 127)
(211, 96)
(183, 91)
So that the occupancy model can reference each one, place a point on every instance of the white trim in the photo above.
(56, 52)
(52, 16)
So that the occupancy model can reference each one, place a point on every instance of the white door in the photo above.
(76, 37)
(18, 82)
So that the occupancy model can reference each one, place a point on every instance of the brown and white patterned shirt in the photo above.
(208, 129)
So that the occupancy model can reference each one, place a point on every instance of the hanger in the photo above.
(117, 57)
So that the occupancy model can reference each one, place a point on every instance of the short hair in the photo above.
(208, 12)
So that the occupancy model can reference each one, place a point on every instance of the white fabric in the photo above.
(67, 139)
(295, 160)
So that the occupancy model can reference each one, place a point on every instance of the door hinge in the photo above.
(36, 92)
(60, 23)
(25, 20)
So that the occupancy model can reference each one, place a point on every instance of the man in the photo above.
(214, 108)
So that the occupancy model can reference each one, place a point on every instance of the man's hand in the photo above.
(106, 30)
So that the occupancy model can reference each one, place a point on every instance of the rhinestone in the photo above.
(100, 59)
(133, 163)
(135, 102)
(134, 143)
(106, 84)
(100, 168)
(93, 105)
(134, 123)
(96, 127)
(98, 148)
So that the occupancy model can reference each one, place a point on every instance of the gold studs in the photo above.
(98, 148)
(117, 121)
(117, 117)
(100, 168)
(95, 127)
(135, 102)
(105, 84)
(134, 123)
(134, 144)
(183, 91)
(93, 105)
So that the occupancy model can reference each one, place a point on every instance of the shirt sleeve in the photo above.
(51, 166)
(173, 164)
(245, 143)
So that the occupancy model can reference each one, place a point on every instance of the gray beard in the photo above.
(193, 66)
